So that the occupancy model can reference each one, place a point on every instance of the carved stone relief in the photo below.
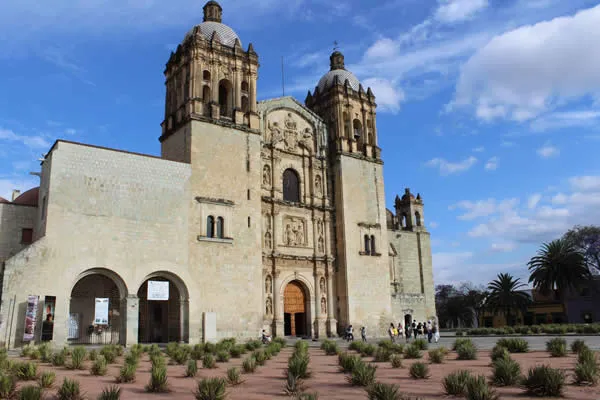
(269, 306)
(295, 231)
(289, 133)
(320, 239)
(318, 185)
(268, 233)
(322, 285)
(323, 305)
(266, 178)
(268, 284)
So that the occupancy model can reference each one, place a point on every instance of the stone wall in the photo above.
(13, 219)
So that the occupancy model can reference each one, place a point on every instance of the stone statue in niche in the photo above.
(318, 185)
(319, 227)
(294, 232)
(322, 285)
(269, 306)
(268, 284)
(289, 122)
(321, 245)
(275, 134)
(266, 178)
(268, 242)
(323, 305)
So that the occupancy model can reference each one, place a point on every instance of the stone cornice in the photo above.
(271, 200)
(358, 156)
(369, 225)
(209, 200)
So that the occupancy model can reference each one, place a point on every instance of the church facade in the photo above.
(257, 215)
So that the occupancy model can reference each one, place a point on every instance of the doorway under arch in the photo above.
(295, 310)
(163, 320)
(407, 320)
(91, 324)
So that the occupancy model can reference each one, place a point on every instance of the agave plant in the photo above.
(110, 393)
(211, 389)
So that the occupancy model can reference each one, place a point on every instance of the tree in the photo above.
(457, 306)
(505, 295)
(558, 266)
(586, 239)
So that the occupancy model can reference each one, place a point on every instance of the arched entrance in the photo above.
(162, 310)
(295, 310)
(407, 320)
(96, 308)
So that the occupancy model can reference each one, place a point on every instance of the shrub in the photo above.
(331, 348)
(455, 384)
(93, 354)
(253, 344)
(197, 351)
(368, 350)
(578, 345)
(557, 347)
(514, 345)
(181, 354)
(412, 351)
(419, 370)
(357, 346)
(249, 365)
(293, 384)
(586, 373)
(499, 352)
(397, 348)
(383, 391)
(382, 354)
(544, 381)
(478, 389)
(233, 376)
(586, 356)
(281, 341)
(99, 366)
(158, 380)
(211, 389)
(109, 354)
(260, 357)
(421, 344)
(505, 372)
(69, 390)
(34, 353)
(237, 351)
(436, 356)
(191, 369)
(110, 393)
(362, 375)
(396, 361)
(223, 356)
(46, 379)
(459, 342)
(132, 359)
(308, 396)
(31, 392)
(26, 350)
(59, 359)
(298, 365)
(208, 361)
(157, 360)
(467, 351)
(385, 343)
(8, 386)
(348, 362)
(26, 371)
(127, 373)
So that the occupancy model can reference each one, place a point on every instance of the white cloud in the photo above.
(454, 268)
(507, 143)
(447, 167)
(547, 151)
(483, 208)
(387, 95)
(492, 164)
(35, 141)
(532, 69)
(451, 11)
(503, 247)
(566, 119)
(533, 201)
(433, 224)
(382, 49)
(585, 183)
(479, 149)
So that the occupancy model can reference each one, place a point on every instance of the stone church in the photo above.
(257, 215)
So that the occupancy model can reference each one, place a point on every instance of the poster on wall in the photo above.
(30, 317)
(158, 290)
(101, 315)
(48, 323)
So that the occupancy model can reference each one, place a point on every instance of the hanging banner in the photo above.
(158, 290)
(48, 323)
(30, 317)
(101, 314)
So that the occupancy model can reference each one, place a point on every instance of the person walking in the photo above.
(400, 330)
(429, 331)
(436, 330)
(414, 329)
(350, 333)
(392, 332)
(363, 333)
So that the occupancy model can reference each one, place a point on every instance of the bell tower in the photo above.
(358, 194)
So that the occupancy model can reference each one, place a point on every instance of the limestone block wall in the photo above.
(363, 280)
(13, 218)
(106, 210)
(226, 182)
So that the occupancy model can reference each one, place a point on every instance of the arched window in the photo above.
(373, 252)
(220, 227)
(206, 75)
(206, 99)
(244, 86)
(210, 226)
(225, 98)
(244, 104)
(367, 245)
(357, 128)
(186, 85)
(404, 221)
(291, 186)
(346, 127)
(418, 218)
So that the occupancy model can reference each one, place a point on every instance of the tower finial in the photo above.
(336, 60)
(335, 45)
(213, 12)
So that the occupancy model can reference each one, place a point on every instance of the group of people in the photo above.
(416, 329)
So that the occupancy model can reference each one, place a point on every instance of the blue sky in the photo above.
(488, 108)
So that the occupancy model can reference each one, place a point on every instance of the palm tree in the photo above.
(558, 266)
(505, 294)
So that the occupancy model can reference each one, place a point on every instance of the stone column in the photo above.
(252, 93)
(131, 319)
(331, 321)
(317, 315)
(277, 305)
(61, 324)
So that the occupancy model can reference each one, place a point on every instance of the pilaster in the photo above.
(131, 319)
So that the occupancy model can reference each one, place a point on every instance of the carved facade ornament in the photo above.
(269, 306)
(289, 133)
(268, 284)
(268, 240)
(266, 178)
(322, 285)
(319, 227)
(274, 133)
(321, 245)
(318, 185)
(323, 305)
(295, 232)
(267, 228)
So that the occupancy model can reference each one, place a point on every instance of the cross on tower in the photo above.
(335, 45)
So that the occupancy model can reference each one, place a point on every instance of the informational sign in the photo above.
(48, 322)
(30, 317)
(101, 314)
(158, 290)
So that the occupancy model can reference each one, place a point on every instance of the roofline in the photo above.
(18, 205)
(109, 149)
(311, 112)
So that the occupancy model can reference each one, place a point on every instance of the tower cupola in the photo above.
(336, 60)
(213, 12)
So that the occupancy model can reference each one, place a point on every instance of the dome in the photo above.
(3, 200)
(226, 35)
(327, 80)
(29, 198)
(338, 70)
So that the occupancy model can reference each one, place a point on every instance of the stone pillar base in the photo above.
(254, 121)
(238, 117)
(320, 328)
(278, 329)
(131, 319)
(332, 328)
(215, 111)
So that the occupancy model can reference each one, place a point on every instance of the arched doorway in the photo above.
(96, 308)
(163, 310)
(407, 320)
(225, 98)
(295, 310)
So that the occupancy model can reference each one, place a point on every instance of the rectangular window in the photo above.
(26, 236)
(248, 222)
(248, 194)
